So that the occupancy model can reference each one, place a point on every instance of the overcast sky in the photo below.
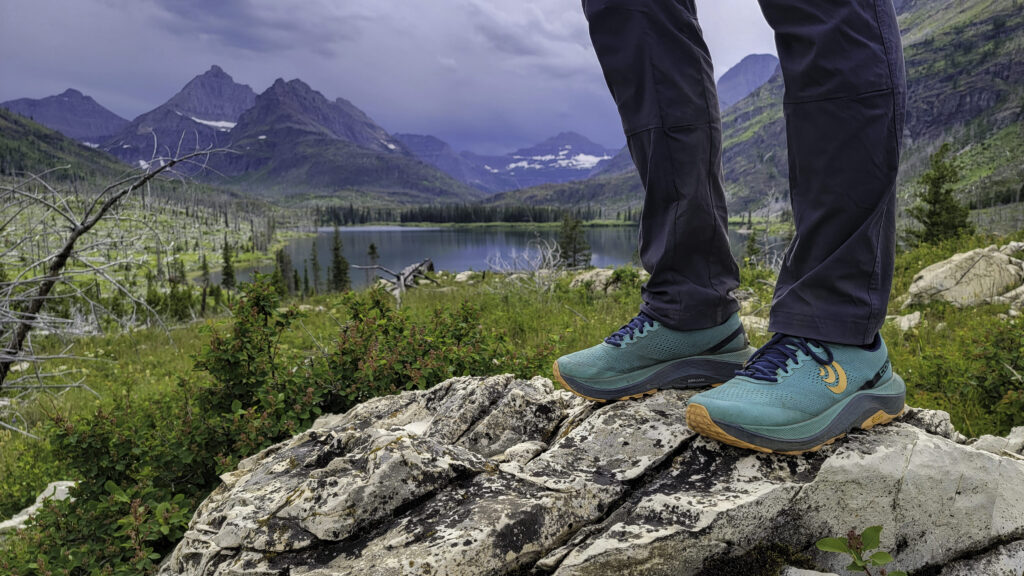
(484, 75)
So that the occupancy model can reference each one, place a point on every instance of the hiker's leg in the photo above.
(845, 103)
(658, 69)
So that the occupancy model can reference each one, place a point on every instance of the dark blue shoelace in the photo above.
(769, 359)
(634, 326)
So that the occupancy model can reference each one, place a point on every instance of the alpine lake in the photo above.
(454, 248)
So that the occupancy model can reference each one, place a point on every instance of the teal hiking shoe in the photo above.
(796, 395)
(645, 356)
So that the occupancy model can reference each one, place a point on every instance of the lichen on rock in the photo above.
(507, 476)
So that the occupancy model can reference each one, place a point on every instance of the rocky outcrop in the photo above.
(505, 476)
(603, 280)
(970, 278)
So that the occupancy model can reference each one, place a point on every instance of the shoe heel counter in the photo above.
(740, 342)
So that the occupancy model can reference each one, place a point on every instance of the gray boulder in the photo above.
(968, 278)
(597, 280)
(505, 476)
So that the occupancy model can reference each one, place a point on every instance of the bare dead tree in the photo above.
(404, 279)
(535, 266)
(60, 268)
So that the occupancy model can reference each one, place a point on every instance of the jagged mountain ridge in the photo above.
(564, 157)
(71, 113)
(294, 104)
(199, 116)
(748, 75)
(294, 140)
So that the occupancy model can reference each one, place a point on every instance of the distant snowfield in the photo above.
(582, 161)
(562, 160)
(90, 145)
(221, 125)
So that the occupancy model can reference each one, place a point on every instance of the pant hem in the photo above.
(699, 321)
(818, 328)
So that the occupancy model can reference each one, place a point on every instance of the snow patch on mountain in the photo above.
(561, 160)
(582, 161)
(222, 125)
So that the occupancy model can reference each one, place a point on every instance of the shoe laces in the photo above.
(634, 326)
(775, 355)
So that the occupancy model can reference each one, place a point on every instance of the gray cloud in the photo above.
(484, 75)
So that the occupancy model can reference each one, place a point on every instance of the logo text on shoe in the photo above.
(834, 377)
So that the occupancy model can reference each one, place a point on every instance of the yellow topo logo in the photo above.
(832, 374)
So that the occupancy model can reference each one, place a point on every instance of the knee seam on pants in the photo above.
(667, 127)
(842, 97)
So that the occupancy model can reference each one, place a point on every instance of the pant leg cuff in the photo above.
(837, 331)
(698, 320)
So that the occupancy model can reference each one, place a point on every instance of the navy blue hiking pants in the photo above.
(845, 102)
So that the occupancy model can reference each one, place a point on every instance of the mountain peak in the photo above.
(213, 96)
(71, 113)
(295, 104)
(294, 85)
(747, 75)
(565, 143)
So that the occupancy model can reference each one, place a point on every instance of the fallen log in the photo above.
(406, 278)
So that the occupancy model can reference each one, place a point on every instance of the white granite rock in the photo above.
(967, 278)
(506, 476)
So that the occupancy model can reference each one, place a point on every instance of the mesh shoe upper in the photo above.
(792, 379)
(644, 342)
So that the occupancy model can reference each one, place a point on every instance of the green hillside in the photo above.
(291, 162)
(27, 147)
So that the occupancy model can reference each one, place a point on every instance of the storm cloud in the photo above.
(485, 76)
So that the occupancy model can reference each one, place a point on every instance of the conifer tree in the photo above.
(283, 262)
(204, 277)
(316, 269)
(339, 265)
(227, 273)
(572, 242)
(940, 214)
(374, 256)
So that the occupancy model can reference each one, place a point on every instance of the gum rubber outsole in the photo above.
(698, 420)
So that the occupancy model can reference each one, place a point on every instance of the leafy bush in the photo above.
(382, 351)
(130, 504)
(26, 467)
(263, 391)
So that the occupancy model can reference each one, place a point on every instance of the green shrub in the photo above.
(263, 391)
(382, 351)
(130, 505)
(26, 467)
